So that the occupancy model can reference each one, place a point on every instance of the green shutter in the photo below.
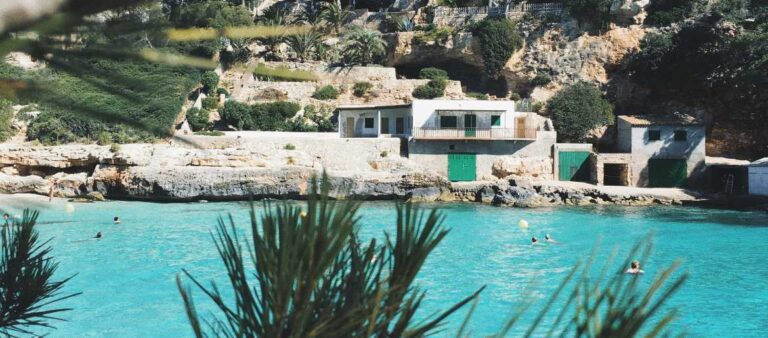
(448, 122)
(462, 167)
(574, 166)
(667, 172)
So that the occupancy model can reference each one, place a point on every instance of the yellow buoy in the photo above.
(303, 214)
(523, 224)
(69, 208)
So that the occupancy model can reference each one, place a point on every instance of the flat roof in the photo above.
(671, 119)
(763, 162)
(372, 106)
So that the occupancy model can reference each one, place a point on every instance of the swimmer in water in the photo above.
(6, 218)
(549, 239)
(534, 240)
(634, 268)
(98, 235)
(116, 220)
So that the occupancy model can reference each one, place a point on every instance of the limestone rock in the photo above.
(537, 167)
(11, 184)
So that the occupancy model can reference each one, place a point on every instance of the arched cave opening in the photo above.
(473, 78)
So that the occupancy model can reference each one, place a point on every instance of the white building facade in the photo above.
(758, 177)
(461, 139)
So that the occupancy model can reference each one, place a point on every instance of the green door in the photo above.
(574, 166)
(470, 125)
(667, 172)
(461, 166)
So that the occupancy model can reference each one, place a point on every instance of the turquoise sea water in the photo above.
(128, 285)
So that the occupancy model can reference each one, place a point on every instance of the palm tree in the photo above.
(362, 46)
(335, 15)
(27, 286)
(313, 277)
(305, 45)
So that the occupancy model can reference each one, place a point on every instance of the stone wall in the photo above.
(600, 160)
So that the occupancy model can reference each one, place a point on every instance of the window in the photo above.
(681, 135)
(654, 135)
(369, 122)
(448, 122)
(496, 120)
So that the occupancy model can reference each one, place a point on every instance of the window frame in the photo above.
(366, 120)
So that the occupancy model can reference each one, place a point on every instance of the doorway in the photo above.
(470, 125)
(350, 130)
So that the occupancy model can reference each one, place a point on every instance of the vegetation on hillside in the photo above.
(260, 116)
(6, 116)
(716, 64)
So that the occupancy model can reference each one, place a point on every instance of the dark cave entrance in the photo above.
(473, 78)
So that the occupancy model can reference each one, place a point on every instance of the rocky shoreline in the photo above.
(240, 168)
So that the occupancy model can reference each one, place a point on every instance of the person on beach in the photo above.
(549, 239)
(634, 268)
(116, 220)
(98, 235)
(51, 188)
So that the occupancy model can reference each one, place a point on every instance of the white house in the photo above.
(758, 177)
(461, 139)
(666, 150)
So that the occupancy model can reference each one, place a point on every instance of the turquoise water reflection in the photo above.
(127, 278)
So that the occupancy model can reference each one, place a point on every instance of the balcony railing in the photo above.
(474, 134)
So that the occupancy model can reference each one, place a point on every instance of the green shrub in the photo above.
(537, 107)
(114, 147)
(6, 115)
(326, 93)
(361, 88)
(104, 138)
(478, 96)
(431, 90)
(261, 116)
(321, 118)
(197, 118)
(577, 109)
(434, 34)
(514, 96)
(384, 153)
(211, 102)
(289, 146)
(541, 79)
(210, 80)
(220, 91)
(432, 73)
(499, 39)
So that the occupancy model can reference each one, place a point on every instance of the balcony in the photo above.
(474, 134)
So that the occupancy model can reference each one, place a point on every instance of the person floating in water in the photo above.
(634, 268)
(534, 240)
(549, 239)
(116, 220)
(6, 218)
(98, 235)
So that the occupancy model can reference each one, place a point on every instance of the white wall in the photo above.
(667, 148)
(424, 115)
(758, 181)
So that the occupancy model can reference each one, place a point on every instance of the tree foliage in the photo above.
(335, 15)
(499, 39)
(577, 109)
(29, 293)
(210, 81)
(305, 45)
(326, 93)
